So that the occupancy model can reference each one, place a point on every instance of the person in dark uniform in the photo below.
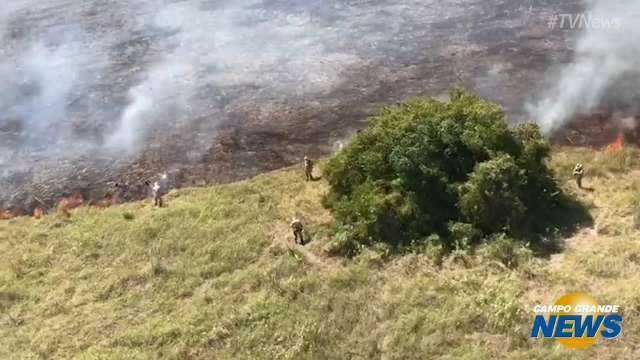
(298, 229)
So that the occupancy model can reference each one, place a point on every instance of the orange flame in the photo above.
(70, 203)
(38, 213)
(7, 215)
(108, 201)
(618, 144)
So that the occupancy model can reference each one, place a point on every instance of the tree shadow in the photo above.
(560, 222)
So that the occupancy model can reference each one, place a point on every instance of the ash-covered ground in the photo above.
(99, 92)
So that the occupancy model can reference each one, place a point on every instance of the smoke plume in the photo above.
(100, 91)
(90, 87)
(607, 55)
(241, 44)
(152, 65)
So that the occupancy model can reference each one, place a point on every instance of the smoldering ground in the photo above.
(96, 92)
(603, 72)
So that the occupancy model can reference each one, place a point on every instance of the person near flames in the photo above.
(578, 174)
(158, 190)
(298, 229)
(308, 168)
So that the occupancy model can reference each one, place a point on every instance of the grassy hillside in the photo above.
(215, 274)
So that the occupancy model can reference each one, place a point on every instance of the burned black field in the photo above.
(208, 92)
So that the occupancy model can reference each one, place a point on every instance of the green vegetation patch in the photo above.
(446, 172)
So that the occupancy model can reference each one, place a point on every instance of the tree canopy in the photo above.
(452, 172)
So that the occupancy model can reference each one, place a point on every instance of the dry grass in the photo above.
(215, 274)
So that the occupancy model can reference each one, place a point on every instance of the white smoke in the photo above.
(87, 87)
(605, 53)
(164, 87)
(235, 45)
(38, 82)
(39, 85)
(57, 52)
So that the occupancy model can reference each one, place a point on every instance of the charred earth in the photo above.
(96, 93)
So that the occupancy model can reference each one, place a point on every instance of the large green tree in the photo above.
(452, 171)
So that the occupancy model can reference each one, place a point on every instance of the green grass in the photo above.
(215, 274)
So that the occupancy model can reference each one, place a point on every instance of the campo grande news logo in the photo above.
(577, 321)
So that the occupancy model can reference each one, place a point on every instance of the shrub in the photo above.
(463, 235)
(506, 251)
(491, 198)
(342, 245)
(452, 169)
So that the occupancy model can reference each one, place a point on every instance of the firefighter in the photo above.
(156, 191)
(298, 229)
(578, 174)
(157, 194)
(308, 169)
